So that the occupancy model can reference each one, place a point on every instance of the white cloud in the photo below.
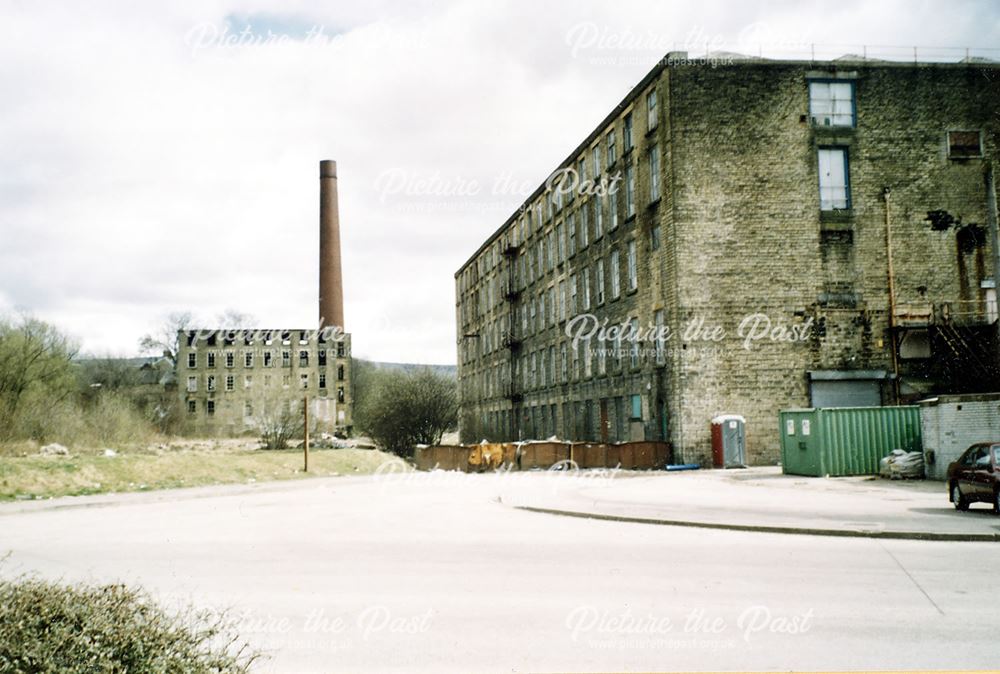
(146, 169)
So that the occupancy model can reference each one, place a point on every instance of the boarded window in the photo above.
(964, 144)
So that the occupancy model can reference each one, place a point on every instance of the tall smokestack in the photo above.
(331, 280)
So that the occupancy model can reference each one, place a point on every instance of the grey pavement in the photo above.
(763, 499)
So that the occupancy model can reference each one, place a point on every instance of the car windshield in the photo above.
(996, 455)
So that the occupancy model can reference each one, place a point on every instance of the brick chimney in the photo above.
(331, 281)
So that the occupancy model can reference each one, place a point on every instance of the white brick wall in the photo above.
(951, 423)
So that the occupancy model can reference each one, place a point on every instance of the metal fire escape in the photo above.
(511, 337)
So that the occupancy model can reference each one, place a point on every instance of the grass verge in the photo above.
(31, 476)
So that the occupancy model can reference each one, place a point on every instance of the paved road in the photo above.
(434, 573)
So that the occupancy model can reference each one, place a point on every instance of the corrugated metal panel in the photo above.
(846, 440)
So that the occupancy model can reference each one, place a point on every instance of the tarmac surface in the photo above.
(441, 572)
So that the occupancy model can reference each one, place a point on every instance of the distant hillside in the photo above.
(446, 370)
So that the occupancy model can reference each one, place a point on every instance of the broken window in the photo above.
(654, 173)
(615, 269)
(651, 118)
(321, 356)
(633, 270)
(629, 190)
(834, 188)
(340, 373)
(303, 358)
(210, 385)
(831, 103)
(340, 394)
(964, 144)
(192, 384)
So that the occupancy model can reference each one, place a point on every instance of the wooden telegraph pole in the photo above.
(305, 441)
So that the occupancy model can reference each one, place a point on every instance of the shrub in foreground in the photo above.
(49, 627)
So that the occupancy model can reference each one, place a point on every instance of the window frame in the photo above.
(845, 151)
(854, 102)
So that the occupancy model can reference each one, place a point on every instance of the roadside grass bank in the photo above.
(25, 474)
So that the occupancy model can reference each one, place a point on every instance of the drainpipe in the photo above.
(886, 194)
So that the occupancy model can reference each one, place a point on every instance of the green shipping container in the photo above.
(845, 440)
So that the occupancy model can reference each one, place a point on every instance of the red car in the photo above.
(975, 477)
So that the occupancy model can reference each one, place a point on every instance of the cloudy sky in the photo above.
(164, 156)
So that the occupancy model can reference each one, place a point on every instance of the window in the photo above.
(286, 358)
(286, 380)
(341, 349)
(831, 103)
(304, 380)
(340, 394)
(599, 275)
(248, 409)
(611, 147)
(321, 357)
(637, 408)
(633, 271)
(634, 343)
(248, 359)
(651, 117)
(613, 207)
(340, 373)
(192, 407)
(192, 384)
(210, 384)
(964, 144)
(629, 190)
(581, 173)
(303, 358)
(834, 189)
(268, 359)
(247, 381)
(658, 322)
(210, 407)
(560, 244)
(615, 269)
(596, 154)
(192, 360)
(654, 237)
(210, 357)
(230, 359)
(230, 382)
(627, 134)
(562, 300)
(654, 173)
(322, 379)
(584, 226)
(572, 294)
(571, 235)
